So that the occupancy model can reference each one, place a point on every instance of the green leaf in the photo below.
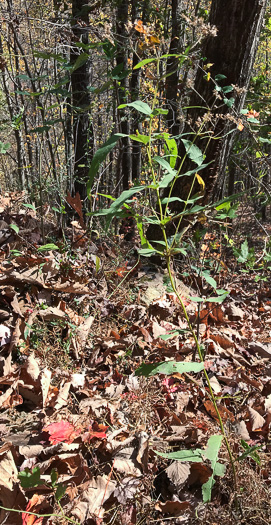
(119, 73)
(30, 479)
(141, 106)
(210, 280)
(229, 102)
(31, 206)
(166, 166)
(60, 491)
(144, 62)
(81, 59)
(159, 111)
(196, 299)
(54, 477)
(14, 227)
(227, 89)
(171, 334)
(100, 156)
(145, 139)
(47, 247)
(147, 252)
(183, 455)
(220, 77)
(119, 202)
(218, 299)
(193, 152)
(48, 56)
(243, 253)
(172, 150)
(4, 147)
(103, 87)
(152, 220)
(250, 451)
(253, 120)
(211, 453)
(139, 223)
(168, 368)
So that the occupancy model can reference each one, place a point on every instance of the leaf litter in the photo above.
(96, 416)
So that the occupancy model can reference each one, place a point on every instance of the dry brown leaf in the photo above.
(76, 203)
(256, 420)
(267, 403)
(63, 395)
(126, 489)
(11, 494)
(5, 335)
(216, 387)
(126, 465)
(174, 508)
(16, 307)
(94, 494)
(178, 473)
(225, 414)
(143, 450)
(242, 431)
(6, 365)
(223, 340)
(51, 313)
(31, 369)
(157, 330)
(83, 331)
(200, 473)
(45, 384)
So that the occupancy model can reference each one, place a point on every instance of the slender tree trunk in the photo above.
(122, 62)
(135, 93)
(81, 77)
(172, 69)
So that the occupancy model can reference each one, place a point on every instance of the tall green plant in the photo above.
(164, 174)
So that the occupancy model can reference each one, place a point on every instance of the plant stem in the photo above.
(213, 397)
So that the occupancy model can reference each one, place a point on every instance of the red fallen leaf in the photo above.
(95, 432)
(33, 506)
(225, 414)
(252, 114)
(62, 432)
(122, 270)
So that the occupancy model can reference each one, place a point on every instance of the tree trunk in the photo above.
(122, 62)
(80, 80)
(172, 69)
(135, 94)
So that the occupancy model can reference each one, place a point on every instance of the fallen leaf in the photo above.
(93, 495)
(174, 508)
(61, 432)
(126, 489)
(33, 506)
(4, 335)
(242, 431)
(178, 473)
(45, 384)
(223, 411)
(76, 203)
(256, 420)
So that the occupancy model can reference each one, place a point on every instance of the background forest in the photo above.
(135, 257)
(67, 67)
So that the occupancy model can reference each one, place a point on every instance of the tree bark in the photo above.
(122, 61)
(83, 136)
(172, 69)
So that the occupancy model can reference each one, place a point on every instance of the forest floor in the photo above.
(81, 431)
